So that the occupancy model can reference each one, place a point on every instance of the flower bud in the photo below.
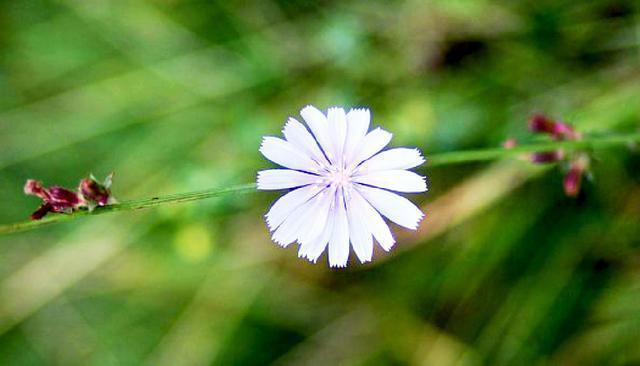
(55, 199)
(546, 157)
(572, 182)
(563, 130)
(540, 123)
(34, 188)
(62, 199)
(44, 209)
(573, 179)
(95, 192)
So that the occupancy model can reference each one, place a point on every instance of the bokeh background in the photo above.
(174, 96)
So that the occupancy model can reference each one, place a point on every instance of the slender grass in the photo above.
(441, 159)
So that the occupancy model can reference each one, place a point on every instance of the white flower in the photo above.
(340, 185)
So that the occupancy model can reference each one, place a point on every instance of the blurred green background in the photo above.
(174, 96)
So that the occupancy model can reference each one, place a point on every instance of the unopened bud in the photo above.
(54, 199)
(62, 199)
(546, 157)
(540, 123)
(34, 188)
(563, 130)
(95, 192)
(44, 209)
(573, 179)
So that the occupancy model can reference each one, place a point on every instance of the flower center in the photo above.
(339, 177)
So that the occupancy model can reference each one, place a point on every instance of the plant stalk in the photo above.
(433, 160)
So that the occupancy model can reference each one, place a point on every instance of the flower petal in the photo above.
(395, 180)
(285, 205)
(287, 232)
(296, 222)
(313, 249)
(339, 243)
(359, 233)
(358, 121)
(337, 120)
(398, 158)
(372, 143)
(373, 220)
(319, 218)
(299, 136)
(317, 122)
(396, 208)
(272, 179)
(286, 154)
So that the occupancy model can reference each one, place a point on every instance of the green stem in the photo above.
(468, 156)
(128, 206)
(447, 158)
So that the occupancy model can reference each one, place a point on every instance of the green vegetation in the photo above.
(174, 96)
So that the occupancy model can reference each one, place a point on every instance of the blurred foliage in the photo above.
(174, 95)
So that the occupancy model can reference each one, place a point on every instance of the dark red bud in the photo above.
(572, 182)
(546, 157)
(563, 130)
(62, 199)
(573, 179)
(540, 123)
(44, 209)
(34, 188)
(94, 192)
(55, 199)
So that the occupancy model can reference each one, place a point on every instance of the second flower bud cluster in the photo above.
(578, 162)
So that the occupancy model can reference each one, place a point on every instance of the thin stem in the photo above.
(468, 156)
(128, 206)
(447, 158)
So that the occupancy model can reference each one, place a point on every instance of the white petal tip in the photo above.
(310, 259)
(307, 256)
(281, 243)
(387, 248)
(386, 135)
(308, 108)
(417, 224)
(289, 124)
(260, 181)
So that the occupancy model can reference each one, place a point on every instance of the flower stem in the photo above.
(447, 158)
(128, 206)
(468, 156)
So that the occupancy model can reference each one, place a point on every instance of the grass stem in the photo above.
(440, 159)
